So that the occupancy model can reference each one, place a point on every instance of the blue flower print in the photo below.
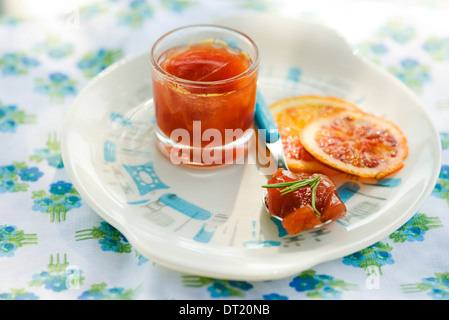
(11, 186)
(51, 153)
(398, 32)
(409, 63)
(71, 202)
(136, 14)
(372, 50)
(58, 77)
(8, 171)
(90, 10)
(218, 288)
(437, 287)
(7, 249)
(60, 52)
(110, 244)
(55, 161)
(62, 198)
(415, 234)
(441, 189)
(141, 259)
(378, 48)
(95, 62)
(320, 286)
(6, 231)
(88, 295)
(356, 259)
(16, 177)
(43, 204)
(12, 64)
(415, 228)
(176, 5)
(111, 231)
(376, 255)
(302, 283)
(412, 73)
(18, 294)
(438, 48)
(58, 277)
(444, 136)
(11, 239)
(55, 48)
(101, 292)
(274, 296)
(11, 117)
(30, 174)
(222, 288)
(382, 257)
(108, 237)
(241, 285)
(263, 5)
(57, 86)
(56, 283)
(60, 187)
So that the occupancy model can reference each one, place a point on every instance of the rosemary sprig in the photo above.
(295, 185)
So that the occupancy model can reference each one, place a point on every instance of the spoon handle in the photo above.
(264, 120)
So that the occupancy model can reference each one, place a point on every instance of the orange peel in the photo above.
(293, 114)
(357, 143)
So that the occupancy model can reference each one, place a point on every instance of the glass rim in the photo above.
(251, 68)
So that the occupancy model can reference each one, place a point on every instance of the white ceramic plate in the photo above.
(211, 222)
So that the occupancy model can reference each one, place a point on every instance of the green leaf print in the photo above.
(217, 288)
(100, 291)
(320, 286)
(437, 287)
(415, 228)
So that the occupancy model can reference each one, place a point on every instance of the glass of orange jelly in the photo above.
(204, 86)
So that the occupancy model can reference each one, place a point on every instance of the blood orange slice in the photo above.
(293, 114)
(357, 143)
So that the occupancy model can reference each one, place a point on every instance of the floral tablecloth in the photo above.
(53, 246)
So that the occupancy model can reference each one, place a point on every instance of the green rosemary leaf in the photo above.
(315, 186)
(279, 185)
(295, 185)
(300, 184)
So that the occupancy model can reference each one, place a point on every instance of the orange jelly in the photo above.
(207, 83)
(206, 63)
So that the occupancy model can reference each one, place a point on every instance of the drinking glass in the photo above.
(204, 121)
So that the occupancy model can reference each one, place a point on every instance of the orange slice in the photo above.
(356, 143)
(292, 115)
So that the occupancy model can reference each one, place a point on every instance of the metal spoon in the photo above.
(264, 120)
